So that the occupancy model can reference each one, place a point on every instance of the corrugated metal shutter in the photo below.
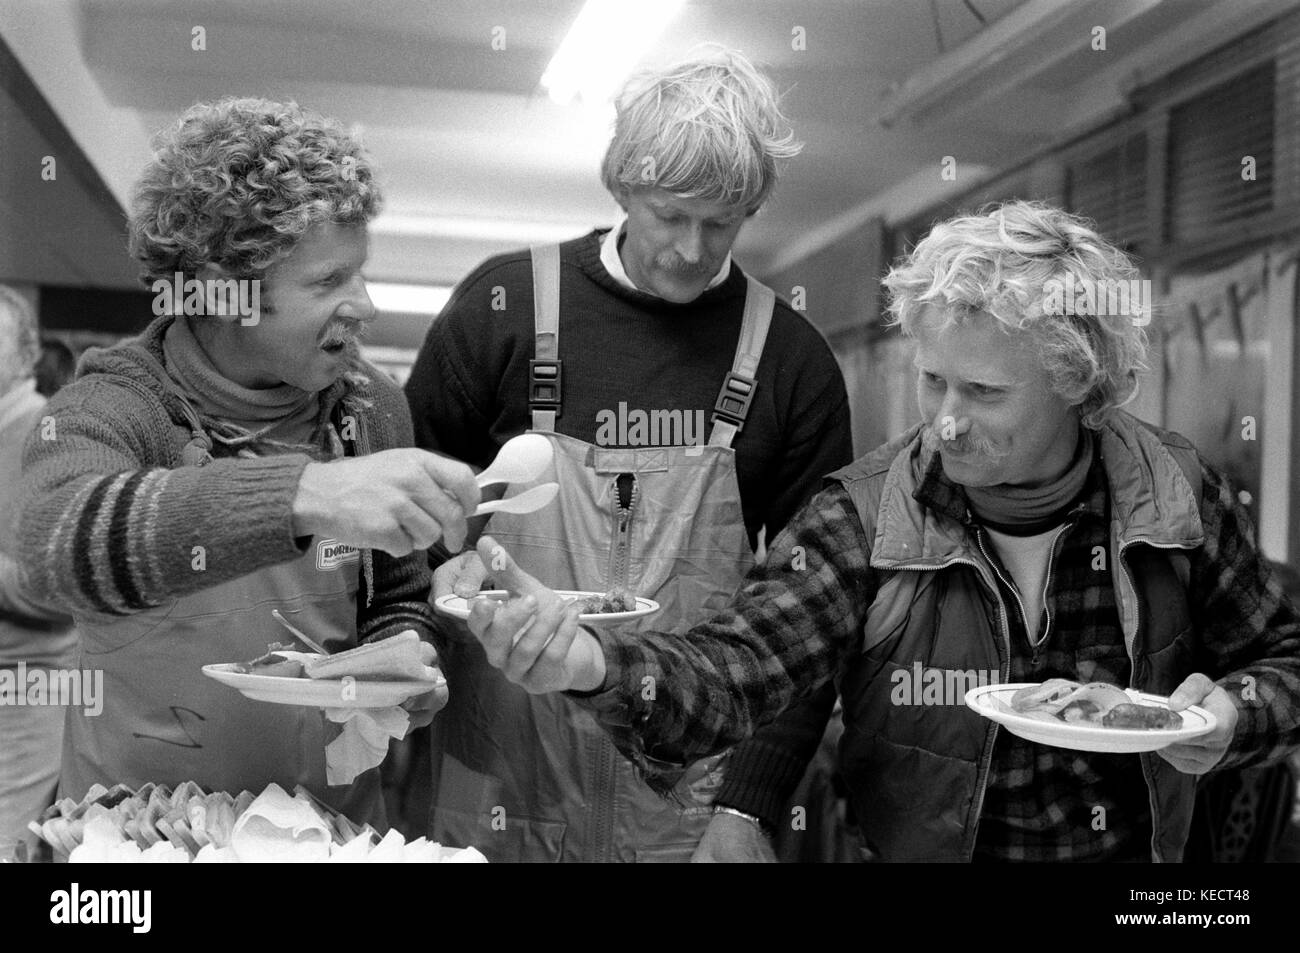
(1110, 187)
(1209, 136)
(1286, 171)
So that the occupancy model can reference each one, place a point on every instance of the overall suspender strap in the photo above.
(737, 392)
(544, 371)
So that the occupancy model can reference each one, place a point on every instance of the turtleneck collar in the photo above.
(1022, 511)
(284, 412)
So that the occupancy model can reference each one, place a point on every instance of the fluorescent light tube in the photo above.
(603, 46)
(407, 299)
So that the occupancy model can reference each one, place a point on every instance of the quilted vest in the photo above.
(917, 773)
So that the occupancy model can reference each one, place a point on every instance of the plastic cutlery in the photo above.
(519, 460)
(525, 502)
(314, 646)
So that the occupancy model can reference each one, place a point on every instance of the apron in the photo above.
(533, 777)
(164, 721)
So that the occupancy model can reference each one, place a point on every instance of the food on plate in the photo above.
(1096, 703)
(1141, 716)
(616, 600)
(279, 661)
(399, 658)
(158, 825)
(402, 657)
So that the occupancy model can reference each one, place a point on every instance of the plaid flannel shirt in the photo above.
(797, 615)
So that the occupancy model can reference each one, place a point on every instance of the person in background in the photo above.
(56, 366)
(1027, 529)
(232, 461)
(651, 319)
(30, 632)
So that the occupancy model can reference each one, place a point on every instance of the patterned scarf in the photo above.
(255, 422)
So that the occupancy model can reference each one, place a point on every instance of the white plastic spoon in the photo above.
(519, 460)
(525, 502)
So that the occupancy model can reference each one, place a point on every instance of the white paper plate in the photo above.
(318, 693)
(994, 702)
(458, 607)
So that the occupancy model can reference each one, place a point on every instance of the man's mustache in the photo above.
(686, 270)
(967, 443)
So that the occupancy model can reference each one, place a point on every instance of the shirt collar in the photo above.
(613, 263)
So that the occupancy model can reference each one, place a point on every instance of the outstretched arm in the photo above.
(669, 700)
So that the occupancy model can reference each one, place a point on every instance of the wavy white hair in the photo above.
(708, 127)
(20, 345)
(1005, 262)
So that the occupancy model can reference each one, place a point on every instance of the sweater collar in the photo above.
(142, 360)
(587, 255)
(286, 409)
(613, 261)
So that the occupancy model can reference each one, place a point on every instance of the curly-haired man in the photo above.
(1026, 529)
(195, 478)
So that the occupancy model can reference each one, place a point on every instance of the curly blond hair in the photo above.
(708, 127)
(239, 182)
(1007, 261)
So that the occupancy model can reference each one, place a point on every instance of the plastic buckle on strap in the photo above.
(734, 399)
(544, 380)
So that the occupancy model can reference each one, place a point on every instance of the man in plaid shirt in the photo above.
(1029, 529)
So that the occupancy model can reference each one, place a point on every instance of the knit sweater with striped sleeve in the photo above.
(110, 514)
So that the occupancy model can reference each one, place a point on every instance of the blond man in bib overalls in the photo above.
(688, 408)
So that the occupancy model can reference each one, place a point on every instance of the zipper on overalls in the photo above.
(620, 559)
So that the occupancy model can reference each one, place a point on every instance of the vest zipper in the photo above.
(979, 539)
(1047, 586)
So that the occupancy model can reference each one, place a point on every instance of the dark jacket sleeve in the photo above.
(764, 770)
(817, 434)
(452, 388)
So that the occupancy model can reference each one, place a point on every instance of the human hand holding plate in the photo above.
(1199, 755)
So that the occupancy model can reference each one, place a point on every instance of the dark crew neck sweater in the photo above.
(468, 390)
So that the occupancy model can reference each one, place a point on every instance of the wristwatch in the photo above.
(758, 822)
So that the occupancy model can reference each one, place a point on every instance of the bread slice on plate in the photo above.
(400, 658)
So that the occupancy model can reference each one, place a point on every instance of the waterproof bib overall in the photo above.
(163, 720)
(532, 777)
